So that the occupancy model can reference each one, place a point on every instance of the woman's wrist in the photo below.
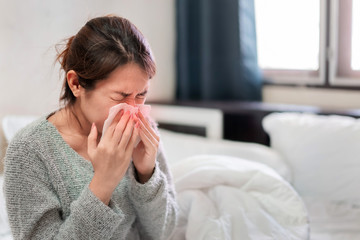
(101, 190)
(144, 177)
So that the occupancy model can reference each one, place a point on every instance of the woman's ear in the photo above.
(73, 82)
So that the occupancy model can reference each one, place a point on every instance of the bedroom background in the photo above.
(30, 81)
(30, 84)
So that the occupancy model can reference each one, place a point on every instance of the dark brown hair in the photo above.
(102, 45)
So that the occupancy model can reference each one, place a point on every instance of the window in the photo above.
(309, 42)
(355, 44)
(344, 62)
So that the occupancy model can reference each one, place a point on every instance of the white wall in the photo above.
(30, 83)
(326, 98)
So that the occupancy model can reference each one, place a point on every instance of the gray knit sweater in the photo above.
(48, 197)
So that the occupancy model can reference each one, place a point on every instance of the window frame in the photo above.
(305, 77)
(327, 76)
(341, 52)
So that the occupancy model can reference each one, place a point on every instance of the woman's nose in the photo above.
(131, 101)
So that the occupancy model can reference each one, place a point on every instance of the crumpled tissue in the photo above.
(144, 109)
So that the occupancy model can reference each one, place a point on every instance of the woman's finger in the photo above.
(110, 131)
(126, 136)
(149, 143)
(147, 125)
(146, 136)
(120, 127)
(151, 135)
(130, 147)
(92, 140)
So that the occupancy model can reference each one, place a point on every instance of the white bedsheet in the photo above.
(222, 197)
(330, 220)
(178, 146)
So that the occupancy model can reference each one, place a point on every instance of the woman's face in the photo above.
(126, 84)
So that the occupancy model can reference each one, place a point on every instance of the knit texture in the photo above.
(48, 197)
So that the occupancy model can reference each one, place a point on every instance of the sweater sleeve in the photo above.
(34, 208)
(154, 201)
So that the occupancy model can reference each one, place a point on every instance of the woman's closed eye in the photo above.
(142, 95)
(120, 98)
(117, 99)
(123, 96)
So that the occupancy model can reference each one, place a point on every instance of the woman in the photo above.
(62, 179)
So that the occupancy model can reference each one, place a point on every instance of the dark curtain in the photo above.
(216, 50)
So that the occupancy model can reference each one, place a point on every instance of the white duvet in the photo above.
(222, 197)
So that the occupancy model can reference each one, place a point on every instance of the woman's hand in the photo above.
(144, 155)
(111, 156)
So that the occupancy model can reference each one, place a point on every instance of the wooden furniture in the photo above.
(242, 121)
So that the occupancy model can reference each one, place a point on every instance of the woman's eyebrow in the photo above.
(128, 94)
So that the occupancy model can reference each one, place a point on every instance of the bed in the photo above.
(303, 186)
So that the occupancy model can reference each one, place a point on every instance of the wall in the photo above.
(326, 98)
(30, 82)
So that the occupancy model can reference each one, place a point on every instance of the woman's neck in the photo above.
(71, 121)
(76, 120)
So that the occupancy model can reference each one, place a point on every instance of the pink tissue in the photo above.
(144, 109)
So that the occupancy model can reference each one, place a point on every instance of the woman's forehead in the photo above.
(126, 77)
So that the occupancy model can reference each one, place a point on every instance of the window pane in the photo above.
(347, 44)
(355, 45)
(288, 34)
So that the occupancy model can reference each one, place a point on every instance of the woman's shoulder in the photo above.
(30, 135)
(25, 146)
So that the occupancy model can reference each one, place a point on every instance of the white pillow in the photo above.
(13, 123)
(323, 152)
(5, 232)
(178, 146)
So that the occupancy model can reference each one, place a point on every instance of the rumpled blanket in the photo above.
(222, 197)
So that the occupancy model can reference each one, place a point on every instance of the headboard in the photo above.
(194, 120)
(242, 121)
